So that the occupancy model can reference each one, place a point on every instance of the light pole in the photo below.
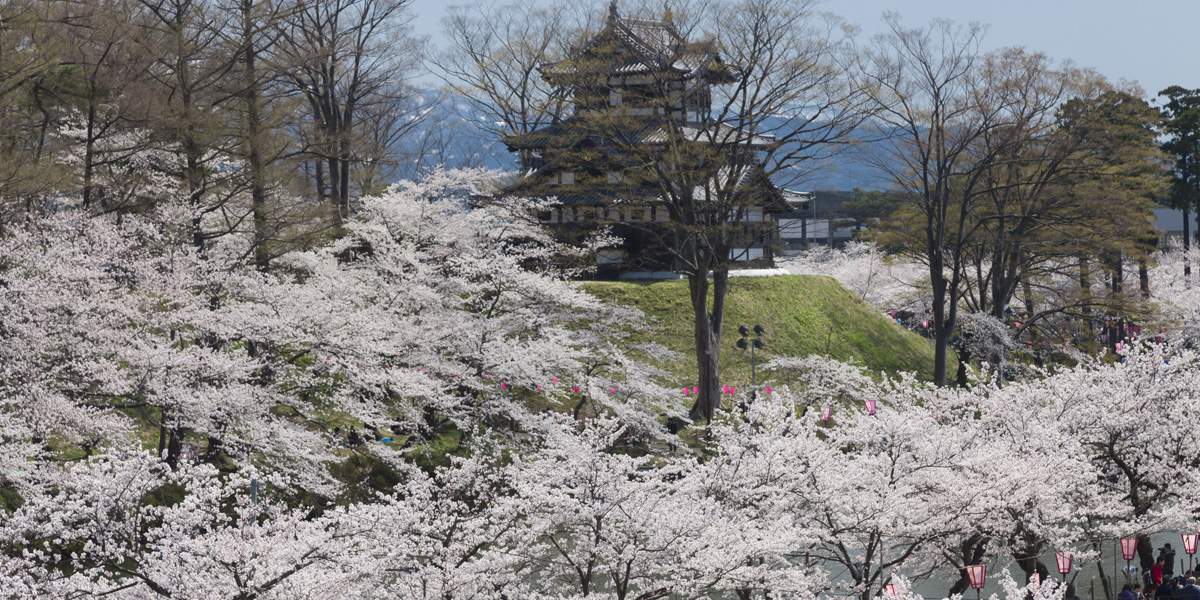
(1064, 563)
(1189, 546)
(1128, 549)
(977, 575)
(757, 342)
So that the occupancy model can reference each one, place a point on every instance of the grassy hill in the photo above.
(803, 315)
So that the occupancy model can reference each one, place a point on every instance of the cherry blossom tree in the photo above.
(427, 314)
(172, 424)
(602, 522)
(113, 531)
(883, 281)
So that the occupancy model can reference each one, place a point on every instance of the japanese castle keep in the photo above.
(640, 143)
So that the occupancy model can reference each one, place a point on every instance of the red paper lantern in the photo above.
(1128, 548)
(826, 412)
(768, 390)
(1117, 346)
(870, 407)
(1064, 560)
(891, 590)
(1189, 543)
(977, 574)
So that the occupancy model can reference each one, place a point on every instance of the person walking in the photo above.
(1156, 571)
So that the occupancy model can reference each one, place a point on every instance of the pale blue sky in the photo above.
(1153, 42)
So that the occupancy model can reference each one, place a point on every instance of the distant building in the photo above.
(820, 220)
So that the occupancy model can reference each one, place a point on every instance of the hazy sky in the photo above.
(1153, 42)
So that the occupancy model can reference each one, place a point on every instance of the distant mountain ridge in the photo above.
(472, 146)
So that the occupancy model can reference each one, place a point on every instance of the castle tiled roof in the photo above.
(654, 41)
(654, 46)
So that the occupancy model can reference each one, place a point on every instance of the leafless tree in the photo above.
(929, 99)
(344, 56)
(493, 60)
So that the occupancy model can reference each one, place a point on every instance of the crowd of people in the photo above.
(1161, 583)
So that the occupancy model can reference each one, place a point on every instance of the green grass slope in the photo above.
(803, 315)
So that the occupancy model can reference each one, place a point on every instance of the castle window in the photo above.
(568, 177)
(614, 98)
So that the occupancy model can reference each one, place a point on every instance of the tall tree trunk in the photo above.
(707, 350)
(44, 126)
(192, 151)
(1144, 277)
(1104, 583)
(1085, 285)
(1027, 292)
(1145, 553)
(319, 178)
(252, 93)
(89, 153)
(707, 322)
(335, 181)
(941, 332)
(344, 200)
(194, 183)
